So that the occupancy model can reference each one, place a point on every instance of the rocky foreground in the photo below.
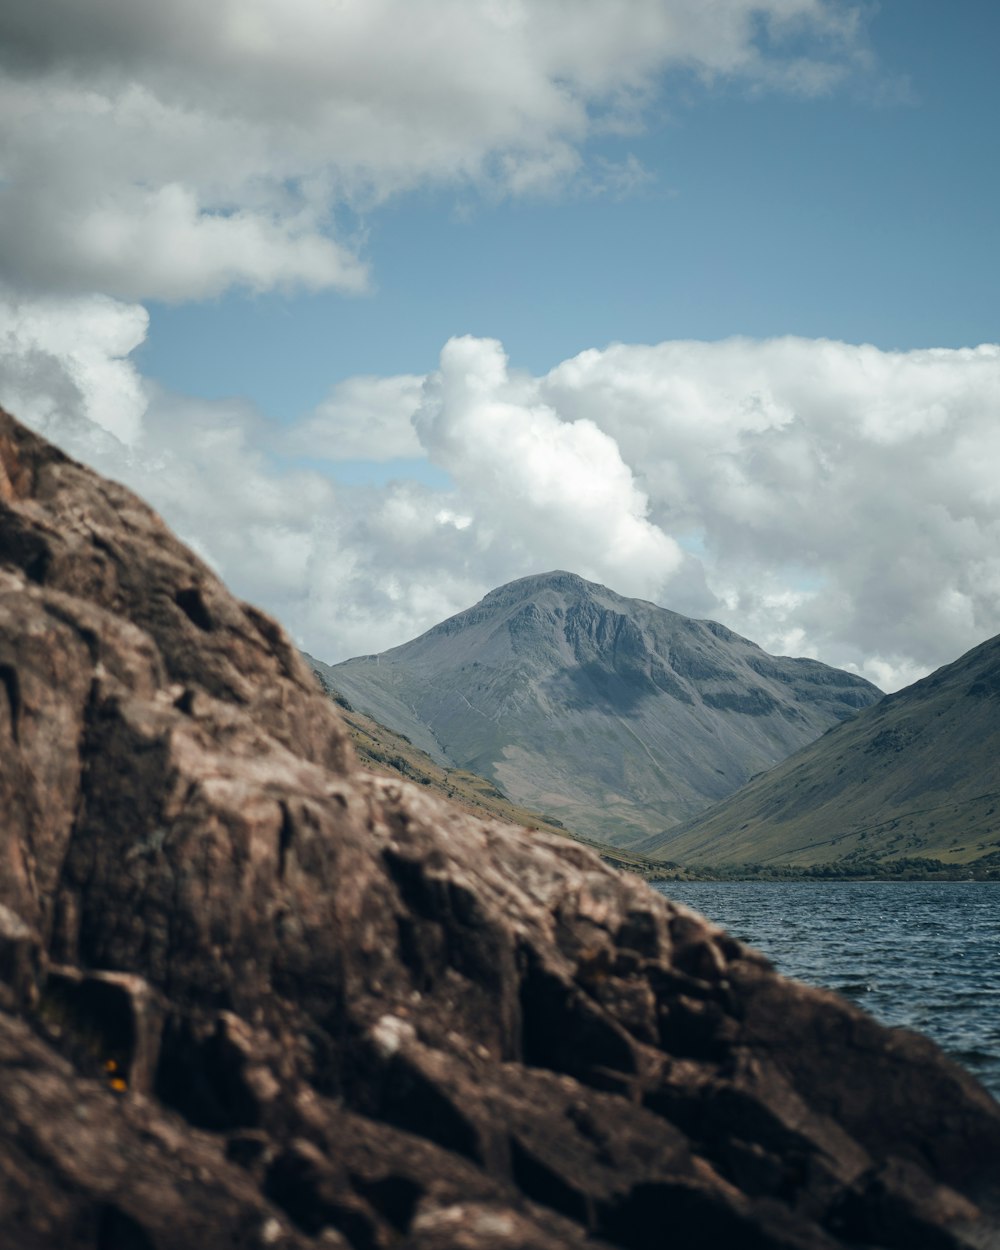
(251, 996)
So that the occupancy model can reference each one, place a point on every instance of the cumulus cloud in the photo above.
(552, 491)
(840, 496)
(822, 498)
(362, 418)
(172, 150)
(64, 365)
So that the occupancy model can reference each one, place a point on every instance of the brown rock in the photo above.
(252, 996)
(20, 961)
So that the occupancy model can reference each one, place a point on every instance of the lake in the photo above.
(922, 955)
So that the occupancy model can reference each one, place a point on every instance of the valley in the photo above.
(913, 778)
(680, 749)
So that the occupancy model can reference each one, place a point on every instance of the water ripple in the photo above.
(924, 955)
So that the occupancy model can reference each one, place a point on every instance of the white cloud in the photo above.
(171, 150)
(554, 492)
(831, 499)
(362, 418)
(64, 364)
(857, 478)
(834, 500)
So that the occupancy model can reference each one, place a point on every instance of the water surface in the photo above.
(923, 955)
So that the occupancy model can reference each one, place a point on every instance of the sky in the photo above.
(384, 303)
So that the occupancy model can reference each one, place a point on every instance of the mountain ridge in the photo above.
(912, 776)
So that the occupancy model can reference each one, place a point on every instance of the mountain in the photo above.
(915, 776)
(618, 717)
(254, 996)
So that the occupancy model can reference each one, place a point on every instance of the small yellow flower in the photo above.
(118, 1085)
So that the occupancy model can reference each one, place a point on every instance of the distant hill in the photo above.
(615, 716)
(915, 776)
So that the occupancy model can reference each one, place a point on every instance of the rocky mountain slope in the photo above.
(384, 751)
(613, 715)
(253, 996)
(917, 775)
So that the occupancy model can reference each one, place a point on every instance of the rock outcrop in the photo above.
(251, 996)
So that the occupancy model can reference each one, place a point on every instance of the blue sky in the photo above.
(385, 303)
(868, 215)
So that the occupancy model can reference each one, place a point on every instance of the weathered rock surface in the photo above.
(253, 997)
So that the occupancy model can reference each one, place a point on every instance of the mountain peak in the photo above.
(617, 716)
(559, 581)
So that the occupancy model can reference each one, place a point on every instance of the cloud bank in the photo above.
(822, 498)
(173, 150)
(840, 497)
(547, 489)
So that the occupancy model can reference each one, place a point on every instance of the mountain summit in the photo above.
(617, 716)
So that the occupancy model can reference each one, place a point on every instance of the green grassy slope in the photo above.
(915, 776)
